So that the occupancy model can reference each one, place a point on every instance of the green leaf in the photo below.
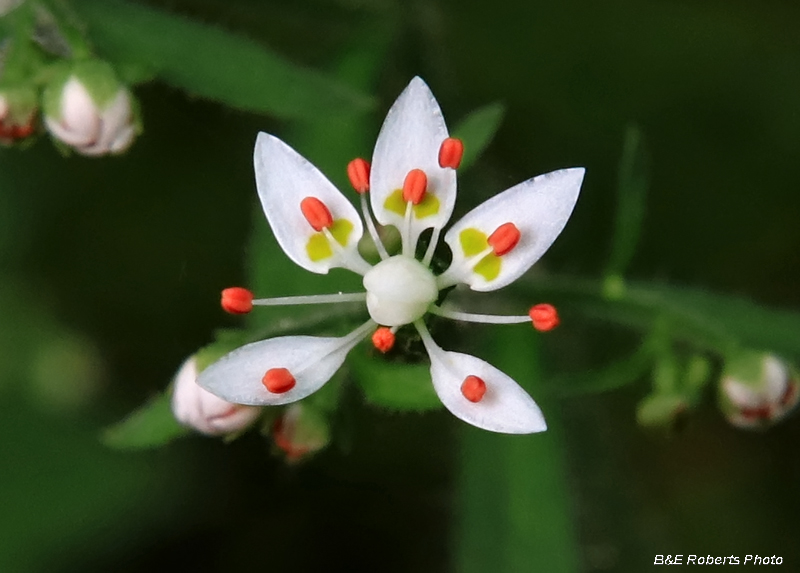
(477, 131)
(394, 385)
(632, 183)
(615, 375)
(212, 63)
(150, 426)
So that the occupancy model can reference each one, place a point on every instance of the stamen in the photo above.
(473, 388)
(278, 380)
(544, 317)
(426, 260)
(373, 232)
(414, 186)
(316, 213)
(383, 339)
(405, 233)
(482, 318)
(311, 299)
(350, 258)
(504, 239)
(237, 300)
(358, 173)
(451, 152)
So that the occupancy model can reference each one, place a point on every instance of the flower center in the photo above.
(399, 290)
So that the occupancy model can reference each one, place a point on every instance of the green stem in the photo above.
(514, 506)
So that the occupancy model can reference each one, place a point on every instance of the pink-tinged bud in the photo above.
(91, 111)
(300, 432)
(201, 410)
(757, 390)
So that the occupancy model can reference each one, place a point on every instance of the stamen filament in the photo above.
(373, 232)
(426, 260)
(482, 318)
(354, 263)
(408, 250)
(311, 299)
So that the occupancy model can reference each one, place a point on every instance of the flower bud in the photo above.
(300, 432)
(17, 114)
(757, 390)
(201, 410)
(90, 110)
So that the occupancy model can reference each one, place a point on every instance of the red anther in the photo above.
(316, 213)
(451, 152)
(237, 300)
(278, 380)
(383, 339)
(504, 239)
(544, 317)
(414, 186)
(473, 388)
(358, 172)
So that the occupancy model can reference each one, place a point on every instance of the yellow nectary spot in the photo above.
(488, 267)
(318, 247)
(428, 207)
(473, 241)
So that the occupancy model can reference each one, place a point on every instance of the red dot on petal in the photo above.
(544, 317)
(237, 300)
(383, 339)
(316, 213)
(473, 388)
(278, 380)
(414, 186)
(358, 173)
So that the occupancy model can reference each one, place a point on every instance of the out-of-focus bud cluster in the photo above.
(88, 109)
(757, 390)
(300, 431)
(85, 106)
(677, 387)
(200, 410)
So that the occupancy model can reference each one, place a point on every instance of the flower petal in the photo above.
(284, 178)
(505, 407)
(312, 361)
(538, 208)
(410, 138)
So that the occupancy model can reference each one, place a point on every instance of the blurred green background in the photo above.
(111, 270)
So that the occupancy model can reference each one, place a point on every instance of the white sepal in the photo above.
(410, 138)
(505, 407)
(237, 376)
(538, 207)
(284, 178)
(201, 410)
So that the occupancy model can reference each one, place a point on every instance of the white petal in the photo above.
(312, 360)
(284, 178)
(410, 138)
(538, 207)
(505, 407)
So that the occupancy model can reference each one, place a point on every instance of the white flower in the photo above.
(412, 185)
(757, 390)
(200, 410)
(91, 111)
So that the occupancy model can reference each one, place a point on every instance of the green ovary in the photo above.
(473, 242)
(318, 247)
(428, 207)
